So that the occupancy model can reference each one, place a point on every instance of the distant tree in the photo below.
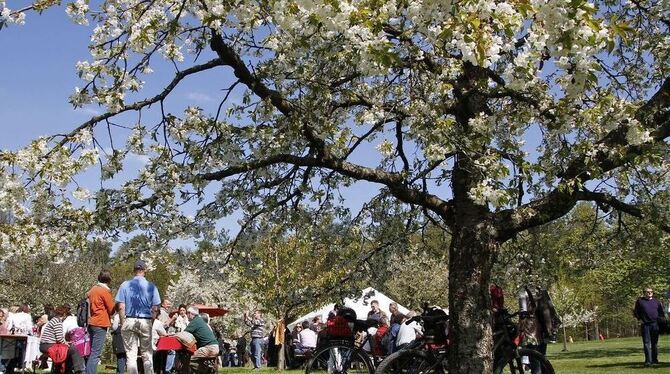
(41, 279)
(490, 117)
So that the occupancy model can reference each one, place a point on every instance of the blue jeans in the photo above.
(257, 351)
(120, 363)
(97, 335)
(169, 362)
(650, 341)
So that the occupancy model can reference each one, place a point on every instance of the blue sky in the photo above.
(37, 64)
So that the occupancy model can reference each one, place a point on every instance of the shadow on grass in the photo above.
(630, 365)
(605, 352)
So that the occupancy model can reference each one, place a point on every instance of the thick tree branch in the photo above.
(653, 115)
(607, 199)
(231, 58)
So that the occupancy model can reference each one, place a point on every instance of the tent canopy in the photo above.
(361, 305)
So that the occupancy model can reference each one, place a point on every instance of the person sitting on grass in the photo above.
(205, 340)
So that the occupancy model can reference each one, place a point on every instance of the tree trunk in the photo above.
(586, 331)
(471, 255)
(281, 360)
(565, 340)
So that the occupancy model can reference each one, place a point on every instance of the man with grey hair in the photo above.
(208, 346)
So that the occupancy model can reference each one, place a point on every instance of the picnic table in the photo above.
(10, 343)
(171, 343)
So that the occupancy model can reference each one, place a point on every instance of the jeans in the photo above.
(97, 335)
(650, 341)
(169, 362)
(257, 351)
(120, 363)
(394, 335)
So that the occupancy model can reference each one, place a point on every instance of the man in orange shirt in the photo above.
(102, 306)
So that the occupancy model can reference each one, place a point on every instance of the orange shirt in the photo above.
(102, 306)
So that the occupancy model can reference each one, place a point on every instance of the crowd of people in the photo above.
(136, 317)
(388, 332)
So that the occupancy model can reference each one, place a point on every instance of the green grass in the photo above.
(614, 356)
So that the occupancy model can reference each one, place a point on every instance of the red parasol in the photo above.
(212, 311)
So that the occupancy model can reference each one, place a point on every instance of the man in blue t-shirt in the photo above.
(647, 310)
(138, 303)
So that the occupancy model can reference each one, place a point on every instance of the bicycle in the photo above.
(427, 354)
(342, 354)
(424, 357)
(509, 356)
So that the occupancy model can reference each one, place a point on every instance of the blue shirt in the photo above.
(139, 295)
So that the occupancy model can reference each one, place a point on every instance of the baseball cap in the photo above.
(140, 265)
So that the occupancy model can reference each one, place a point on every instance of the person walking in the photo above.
(257, 325)
(647, 310)
(102, 307)
(138, 302)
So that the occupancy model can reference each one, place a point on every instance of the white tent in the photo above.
(361, 305)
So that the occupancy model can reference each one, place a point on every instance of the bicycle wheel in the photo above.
(524, 361)
(339, 359)
(412, 361)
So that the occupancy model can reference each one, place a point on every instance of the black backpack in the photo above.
(83, 312)
(542, 308)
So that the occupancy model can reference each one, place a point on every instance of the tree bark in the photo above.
(470, 258)
(586, 331)
(281, 361)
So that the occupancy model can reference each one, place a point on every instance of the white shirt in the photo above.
(21, 322)
(157, 330)
(69, 324)
(180, 323)
(307, 338)
(407, 333)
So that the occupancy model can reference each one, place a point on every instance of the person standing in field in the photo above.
(138, 302)
(101, 308)
(647, 310)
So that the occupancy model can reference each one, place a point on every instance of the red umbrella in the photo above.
(213, 311)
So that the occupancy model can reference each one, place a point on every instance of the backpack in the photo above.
(542, 308)
(81, 341)
(58, 355)
(83, 312)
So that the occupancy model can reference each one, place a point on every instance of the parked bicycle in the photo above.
(428, 355)
(338, 352)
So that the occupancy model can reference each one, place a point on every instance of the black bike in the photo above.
(427, 354)
(424, 356)
(342, 354)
